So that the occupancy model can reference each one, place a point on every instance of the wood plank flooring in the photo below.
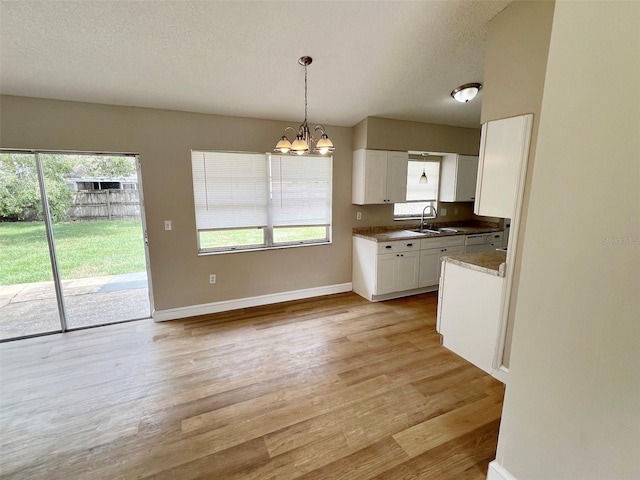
(328, 388)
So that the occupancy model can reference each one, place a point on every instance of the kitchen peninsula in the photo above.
(470, 307)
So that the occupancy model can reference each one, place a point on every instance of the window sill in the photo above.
(203, 253)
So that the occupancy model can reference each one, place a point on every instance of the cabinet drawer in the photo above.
(441, 242)
(399, 246)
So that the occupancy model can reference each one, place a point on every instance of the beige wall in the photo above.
(164, 140)
(385, 134)
(572, 408)
(514, 72)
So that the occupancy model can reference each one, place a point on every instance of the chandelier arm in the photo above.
(289, 128)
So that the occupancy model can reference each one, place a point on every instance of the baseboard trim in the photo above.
(501, 374)
(498, 472)
(226, 305)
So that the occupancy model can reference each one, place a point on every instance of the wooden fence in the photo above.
(105, 204)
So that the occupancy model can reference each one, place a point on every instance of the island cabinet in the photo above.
(383, 270)
(469, 308)
(504, 149)
(458, 178)
(379, 176)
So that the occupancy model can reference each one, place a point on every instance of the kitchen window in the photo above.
(419, 195)
(249, 201)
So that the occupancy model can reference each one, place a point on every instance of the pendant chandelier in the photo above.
(304, 138)
(423, 178)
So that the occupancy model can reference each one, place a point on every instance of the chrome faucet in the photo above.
(435, 214)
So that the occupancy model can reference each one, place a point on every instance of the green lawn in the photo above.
(84, 248)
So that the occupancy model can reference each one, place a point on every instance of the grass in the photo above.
(84, 249)
(255, 236)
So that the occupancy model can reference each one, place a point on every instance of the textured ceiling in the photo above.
(394, 59)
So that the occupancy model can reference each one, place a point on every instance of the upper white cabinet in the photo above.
(379, 177)
(504, 149)
(458, 177)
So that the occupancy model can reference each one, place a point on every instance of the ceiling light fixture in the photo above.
(466, 92)
(301, 144)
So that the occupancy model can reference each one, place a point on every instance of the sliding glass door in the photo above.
(28, 300)
(86, 227)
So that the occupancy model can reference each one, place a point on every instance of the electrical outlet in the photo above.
(443, 211)
(212, 278)
(359, 216)
(167, 224)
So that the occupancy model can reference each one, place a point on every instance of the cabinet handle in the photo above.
(409, 244)
(388, 246)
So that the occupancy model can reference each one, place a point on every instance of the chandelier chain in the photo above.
(305, 94)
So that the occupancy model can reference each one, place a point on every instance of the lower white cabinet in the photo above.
(431, 264)
(397, 272)
(382, 269)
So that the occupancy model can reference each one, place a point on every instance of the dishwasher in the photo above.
(483, 242)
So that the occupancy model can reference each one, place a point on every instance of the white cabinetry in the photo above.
(379, 177)
(397, 272)
(458, 178)
(469, 309)
(504, 149)
(391, 269)
(431, 252)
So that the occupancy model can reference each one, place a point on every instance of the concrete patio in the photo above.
(31, 308)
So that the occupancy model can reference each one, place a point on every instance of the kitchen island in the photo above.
(470, 302)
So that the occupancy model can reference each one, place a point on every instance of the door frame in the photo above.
(51, 239)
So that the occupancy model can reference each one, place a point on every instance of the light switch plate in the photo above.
(167, 224)
(443, 211)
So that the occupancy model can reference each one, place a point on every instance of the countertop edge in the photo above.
(492, 263)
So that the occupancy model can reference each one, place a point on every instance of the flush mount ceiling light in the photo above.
(466, 92)
(302, 143)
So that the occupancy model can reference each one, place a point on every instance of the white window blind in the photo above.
(300, 190)
(230, 190)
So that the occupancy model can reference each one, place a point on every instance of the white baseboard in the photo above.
(498, 472)
(501, 374)
(226, 305)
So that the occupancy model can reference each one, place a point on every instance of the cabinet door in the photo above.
(504, 149)
(429, 267)
(375, 177)
(408, 270)
(467, 178)
(397, 164)
(386, 273)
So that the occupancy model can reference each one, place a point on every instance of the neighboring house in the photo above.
(80, 184)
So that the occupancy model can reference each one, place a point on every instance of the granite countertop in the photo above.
(493, 263)
(388, 234)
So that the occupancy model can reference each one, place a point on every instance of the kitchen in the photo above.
(466, 260)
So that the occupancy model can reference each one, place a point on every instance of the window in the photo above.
(252, 201)
(419, 195)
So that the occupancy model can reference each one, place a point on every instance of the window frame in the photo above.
(268, 230)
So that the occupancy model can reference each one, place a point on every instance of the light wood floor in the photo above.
(327, 388)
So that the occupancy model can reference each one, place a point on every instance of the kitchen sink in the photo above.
(436, 232)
